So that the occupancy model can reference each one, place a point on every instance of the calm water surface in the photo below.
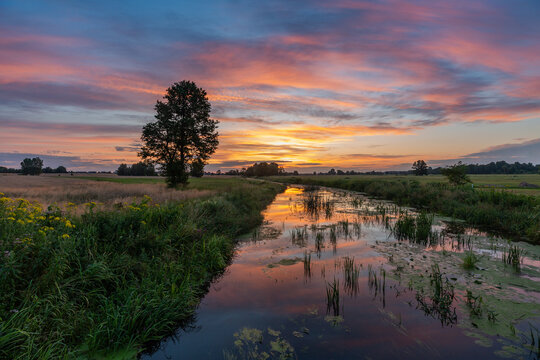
(268, 304)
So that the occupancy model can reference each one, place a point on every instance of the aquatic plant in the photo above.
(344, 228)
(474, 303)
(500, 212)
(513, 256)
(333, 297)
(438, 302)
(299, 236)
(470, 260)
(535, 340)
(351, 273)
(423, 223)
(307, 264)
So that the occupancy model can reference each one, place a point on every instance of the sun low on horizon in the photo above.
(312, 85)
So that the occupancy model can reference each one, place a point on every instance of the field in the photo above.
(494, 202)
(98, 269)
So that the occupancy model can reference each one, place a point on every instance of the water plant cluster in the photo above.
(500, 212)
(438, 300)
(315, 204)
(415, 228)
(513, 256)
(110, 280)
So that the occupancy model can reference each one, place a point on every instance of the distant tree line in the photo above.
(420, 167)
(138, 169)
(264, 169)
(499, 167)
(58, 170)
(33, 166)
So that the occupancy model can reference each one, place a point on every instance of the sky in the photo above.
(314, 85)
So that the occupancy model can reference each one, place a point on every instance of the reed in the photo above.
(333, 298)
(513, 256)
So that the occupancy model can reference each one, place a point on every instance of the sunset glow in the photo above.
(363, 85)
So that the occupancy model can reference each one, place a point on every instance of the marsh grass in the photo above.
(351, 273)
(470, 260)
(500, 212)
(307, 264)
(513, 256)
(299, 236)
(314, 204)
(438, 302)
(109, 281)
(333, 298)
(474, 303)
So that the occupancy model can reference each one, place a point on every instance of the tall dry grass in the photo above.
(49, 190)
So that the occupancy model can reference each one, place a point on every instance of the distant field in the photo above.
(495, 181)
(204, 183)
(108, 189)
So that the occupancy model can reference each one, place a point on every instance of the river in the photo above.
(324, 278)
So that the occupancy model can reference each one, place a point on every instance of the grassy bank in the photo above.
(109, 281)
(512, 215)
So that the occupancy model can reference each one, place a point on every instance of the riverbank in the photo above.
(501, 212)
(99, 281)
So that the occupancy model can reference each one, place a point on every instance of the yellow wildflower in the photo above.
(65, 236)
(11, 218)
(143, 222)
(41, 232)
(20, 222)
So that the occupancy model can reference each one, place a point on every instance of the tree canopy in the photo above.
(420, 168)
(183, 133)
(456, 174)
(31, 166)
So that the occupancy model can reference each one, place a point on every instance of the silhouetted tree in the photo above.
(31, 166)
(139, 169)
(122, 170)
(456, 174)
(61, 170)
(332, 172)
(197, 168)
(182, 133)
(420, 168)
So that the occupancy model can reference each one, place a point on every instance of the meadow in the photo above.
(493, 203)
(103, 269)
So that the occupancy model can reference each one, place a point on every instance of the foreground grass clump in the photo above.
(515, 216)
(107, 281)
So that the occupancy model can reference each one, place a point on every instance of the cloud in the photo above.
(294, 80)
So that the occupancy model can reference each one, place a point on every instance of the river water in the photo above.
(287, 293)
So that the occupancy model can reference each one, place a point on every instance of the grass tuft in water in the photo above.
(307, 264)
(513, 256)
(470, 260)
(351, 273)
(332, 297)
(438, 303)
(474, 303)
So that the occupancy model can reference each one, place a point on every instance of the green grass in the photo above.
(109, 282)
(500, 212)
